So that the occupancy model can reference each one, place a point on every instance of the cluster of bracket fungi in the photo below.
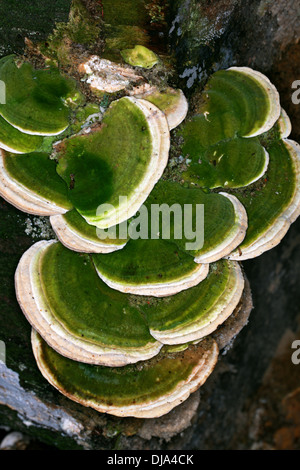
(126, 325)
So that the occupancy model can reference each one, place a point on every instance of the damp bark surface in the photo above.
(247, 402)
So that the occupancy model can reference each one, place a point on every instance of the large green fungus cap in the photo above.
(221, 139)
(196, 312)
(35, 99)
(240, 101)
(274, 204)
(30, 182)
(146, 390)
(82, 318)
(116, 165)
(150, 267)
(76, 234)
(238, 140)
(208, 238)
(64, 299)
(140, 56)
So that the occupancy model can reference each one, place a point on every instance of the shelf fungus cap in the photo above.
(277, 205)
(76, 313)
(36, 100)
(140, 56)
(15, 141)
(171, 101)
(273, 108)
(146, 390)
(30, 183)
(197, 312)
(212, 224)
(128, 153)
(76, 234)
(151, 268)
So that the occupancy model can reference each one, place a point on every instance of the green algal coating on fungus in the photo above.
(145, 262)
(118, 387)
(140, 56)
(37, 172)
(266, 202)
(85, 305)
(35, 99)
(109, 162)
(16, 141)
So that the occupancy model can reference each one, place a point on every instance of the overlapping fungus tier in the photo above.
(167, 263)
(115, 318)
(146, 390)
(62, 296)
(124, 156)
(82, 318)
(238, 141)
(197, 312)
(30, 182)
(35, 104)
(275, 204)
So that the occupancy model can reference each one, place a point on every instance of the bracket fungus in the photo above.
(172, 102)
(67, 303)
(76, 234)
(150, 267)
(126, 323)
(81, 317)
(146, 390)
(124, 169)
(36, 100)
(238, 142)
(140, 56)
(30, 183)
(15, 141)
(222, 228)
(277, 205)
